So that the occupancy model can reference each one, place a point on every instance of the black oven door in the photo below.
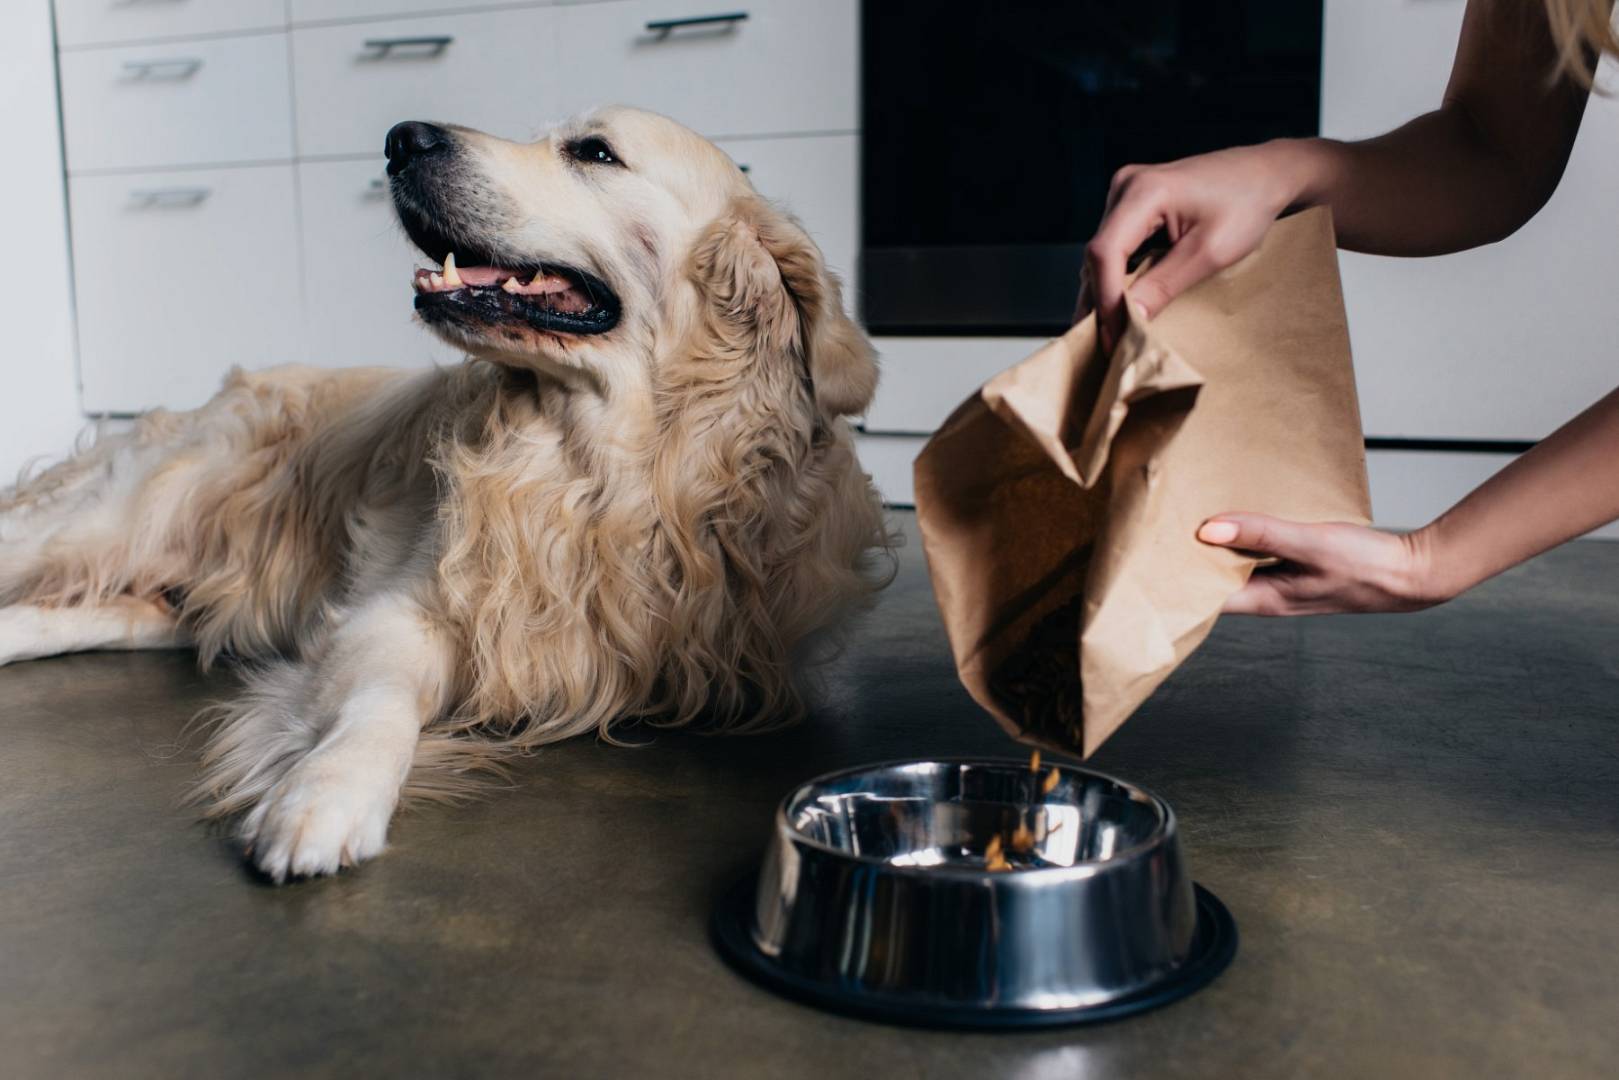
(991, 130)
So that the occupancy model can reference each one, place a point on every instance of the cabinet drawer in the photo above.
(103, 22)
(357, 272)
(925, 378)
(890, 460)
(817, 178)
(193, 103)
(788, 67)
(492, 71)
(317, 11)
(179, 277)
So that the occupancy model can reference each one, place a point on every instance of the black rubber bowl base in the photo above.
(1214, 944)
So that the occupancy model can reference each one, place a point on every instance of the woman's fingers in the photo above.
(1136, 217)
(1183, 266)
(1087, 299)
(1324, 568)
(1116, 186)
(1261, 596)
(1261, 533)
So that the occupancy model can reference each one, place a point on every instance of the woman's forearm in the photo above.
(1468, 173)
(1431, 187)
(1564, 487)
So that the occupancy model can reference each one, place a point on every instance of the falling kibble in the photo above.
(1022, 840)
(995, 856)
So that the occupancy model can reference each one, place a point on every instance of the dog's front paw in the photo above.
(318, 818)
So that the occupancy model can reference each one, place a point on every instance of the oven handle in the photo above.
(664, 27)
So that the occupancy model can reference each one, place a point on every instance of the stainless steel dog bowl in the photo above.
(875, 898)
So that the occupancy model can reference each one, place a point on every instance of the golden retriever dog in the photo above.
(637, 499)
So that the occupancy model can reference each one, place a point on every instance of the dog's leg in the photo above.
(318, 755)
(125, 622)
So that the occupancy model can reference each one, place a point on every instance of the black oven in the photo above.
(991, 129)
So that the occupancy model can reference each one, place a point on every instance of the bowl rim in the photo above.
(1165, 830)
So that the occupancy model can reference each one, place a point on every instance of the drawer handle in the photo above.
(376, 189)
(180, 67)
(165, 197)
(664, 27)
(382, 48)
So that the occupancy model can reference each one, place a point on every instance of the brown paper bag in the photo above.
(1059, 505)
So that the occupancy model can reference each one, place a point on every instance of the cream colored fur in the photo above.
(424, 571)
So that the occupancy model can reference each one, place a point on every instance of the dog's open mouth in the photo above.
(555, 299)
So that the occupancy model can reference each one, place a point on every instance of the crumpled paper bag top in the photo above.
(1059, 505)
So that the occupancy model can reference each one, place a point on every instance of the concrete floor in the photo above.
(1414, 819)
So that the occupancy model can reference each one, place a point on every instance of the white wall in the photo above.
(39, 399)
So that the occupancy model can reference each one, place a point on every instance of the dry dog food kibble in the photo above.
(1022, 840)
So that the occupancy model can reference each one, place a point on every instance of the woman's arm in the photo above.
(1564, 487)
(1470, 172)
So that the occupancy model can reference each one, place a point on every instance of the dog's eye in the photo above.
(593, 150)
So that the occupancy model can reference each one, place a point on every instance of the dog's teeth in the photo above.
(511, 285)
(451, 277)
(437, 280)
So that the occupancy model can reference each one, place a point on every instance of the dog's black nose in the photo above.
(411, 140)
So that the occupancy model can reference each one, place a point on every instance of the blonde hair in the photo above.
(1583, 31)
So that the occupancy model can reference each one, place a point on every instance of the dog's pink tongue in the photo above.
(543, 284)
(481, 276)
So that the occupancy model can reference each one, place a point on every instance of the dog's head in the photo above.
(598, 248)
(628, 258)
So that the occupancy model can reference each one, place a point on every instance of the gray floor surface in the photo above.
(1414, 819)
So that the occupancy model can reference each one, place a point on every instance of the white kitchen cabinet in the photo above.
(210, 102)
(179, 276)
(101, 22)
(817, 178)
(1412, 487)
(789, 67)
(1502, 342)
(257, 127)
(925, 378)
(303, 12)
(492, 71)
(357, 271)
(888, 459)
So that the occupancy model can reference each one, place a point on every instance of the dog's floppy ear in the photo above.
(766, 278)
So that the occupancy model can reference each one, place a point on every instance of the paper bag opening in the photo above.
(1059, 505)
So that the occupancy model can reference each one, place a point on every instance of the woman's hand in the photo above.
(1326, 568)
(1215, 209)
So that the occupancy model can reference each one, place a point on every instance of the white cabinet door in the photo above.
(1502, 342)
(315, 11)
(494, 71)
(101, 22)
(357, 272)
(191, 103)
(889, 460)
(925, 378)
(817, 178)
(789, 67)
(179, 277)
